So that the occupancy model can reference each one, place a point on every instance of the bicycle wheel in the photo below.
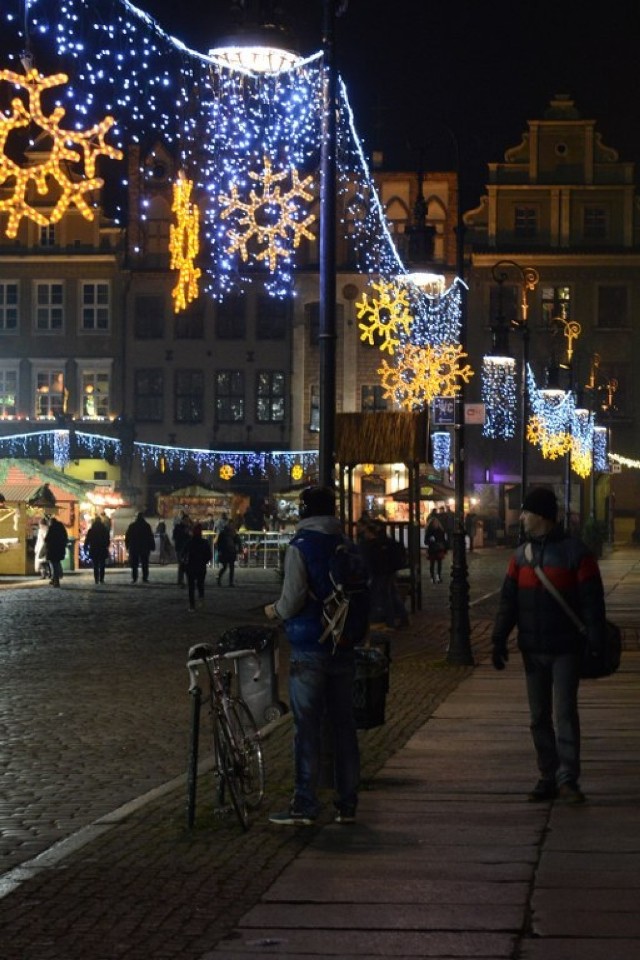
(229, 764)
(247, 738)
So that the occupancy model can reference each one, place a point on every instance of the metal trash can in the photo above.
(257, 676)
(370, 687)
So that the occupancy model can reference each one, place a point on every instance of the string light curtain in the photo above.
(499, 395)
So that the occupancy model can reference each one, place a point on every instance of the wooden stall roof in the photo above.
(381, 437)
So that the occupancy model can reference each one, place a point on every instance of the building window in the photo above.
(8, 307)
(614, 382)
(8, 393)
(556, 302)
(47, 236)
(189, 396)
(372, 398)
(270, 396)
(189, 323)
(148, 319)
(95, 390)
(230, 319)
(96, 306)
(230, 396)
(271, 318)
(595, 223)
(525, 222)
(148, 395)
(49, 307)
(613, 307)
(50, 397)
(504, 301)
(314, 408)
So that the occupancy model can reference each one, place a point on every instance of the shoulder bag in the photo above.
(597, 662)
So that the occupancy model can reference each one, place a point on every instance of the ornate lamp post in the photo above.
(529, 279)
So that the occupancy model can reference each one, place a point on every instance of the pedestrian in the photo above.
(228, 546)
(197, 556)
(56, 541)
(96, 544)
(164, 547)
(381, 553)
(549, 641)
(180, 536)
(140, 542)
(40, 551)
(218, 527)
(320, 681)
(436, 542)
(470, 527)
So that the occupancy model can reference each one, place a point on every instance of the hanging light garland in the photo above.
(385, 316)
(600, 444)
(582, 428)
(184, 243)
(422, 373)
(499, 397)
(551, 415)
(441, 445)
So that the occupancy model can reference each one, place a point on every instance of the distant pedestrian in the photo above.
(228, 546)
(40, 551)
(470, 527)
(180, 536)
(197, 556)
(96, 544)
(140, 542)
(164, 547)
(381, 553)
(436, 542)
(56, 546)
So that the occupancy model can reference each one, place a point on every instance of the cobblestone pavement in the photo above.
(95, 715)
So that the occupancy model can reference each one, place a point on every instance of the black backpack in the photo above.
(345, 611)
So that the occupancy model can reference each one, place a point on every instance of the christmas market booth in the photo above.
(29, 492)
(201, 503)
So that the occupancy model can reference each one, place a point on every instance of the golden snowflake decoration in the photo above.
(423, 373)
(184, 243)
(271, 217)
(385, 316)
(52, 178)
(297, 472)
(552, 445)
(226, 471)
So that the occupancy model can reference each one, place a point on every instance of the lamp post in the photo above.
(529, 279)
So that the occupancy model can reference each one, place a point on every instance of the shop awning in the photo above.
(428, 491)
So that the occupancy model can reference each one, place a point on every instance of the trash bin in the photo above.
(257, 676)
(370, 687)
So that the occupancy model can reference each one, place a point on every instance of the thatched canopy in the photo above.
(381, 437)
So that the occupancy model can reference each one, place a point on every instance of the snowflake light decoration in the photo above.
(184, 243)
(552, 445)
(52, 178)
(423, 373)
(385, 316)
(270, 217)
(226, 471)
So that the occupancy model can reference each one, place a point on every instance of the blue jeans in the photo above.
(321, 690)
(552, 688)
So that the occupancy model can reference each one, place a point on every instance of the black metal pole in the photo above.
(524, 412)
(459, 650)
(327, 331)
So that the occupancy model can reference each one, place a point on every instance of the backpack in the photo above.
(345, 611)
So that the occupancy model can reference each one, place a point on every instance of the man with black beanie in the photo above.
(550, 642)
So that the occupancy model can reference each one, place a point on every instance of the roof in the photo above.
(19, 492)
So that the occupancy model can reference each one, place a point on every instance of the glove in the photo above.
(499, 656)
(270, 611)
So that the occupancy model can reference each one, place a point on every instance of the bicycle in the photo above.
(238, 762)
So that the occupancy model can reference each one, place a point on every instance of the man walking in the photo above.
(139, 541)
(548, 639)
(320, 680)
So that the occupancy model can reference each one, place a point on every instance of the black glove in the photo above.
(499, 656)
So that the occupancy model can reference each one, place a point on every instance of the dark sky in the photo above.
(414, 69)
(482, 69)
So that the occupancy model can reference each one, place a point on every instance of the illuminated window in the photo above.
(189, 396)
(270, 396)
(96, 306)
(8, 392)
(230, 396)
(148, 400)
(556, 302)
(49, 314)
(50, 393)
(95, 385)
(8, 307)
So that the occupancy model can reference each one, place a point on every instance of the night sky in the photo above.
(481, 69)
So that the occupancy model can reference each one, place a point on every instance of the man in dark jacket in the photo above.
(549, 641)
(319, 678)
(56, 547)
(139, 541)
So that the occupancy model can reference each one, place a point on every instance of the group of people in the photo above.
(194, 553)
